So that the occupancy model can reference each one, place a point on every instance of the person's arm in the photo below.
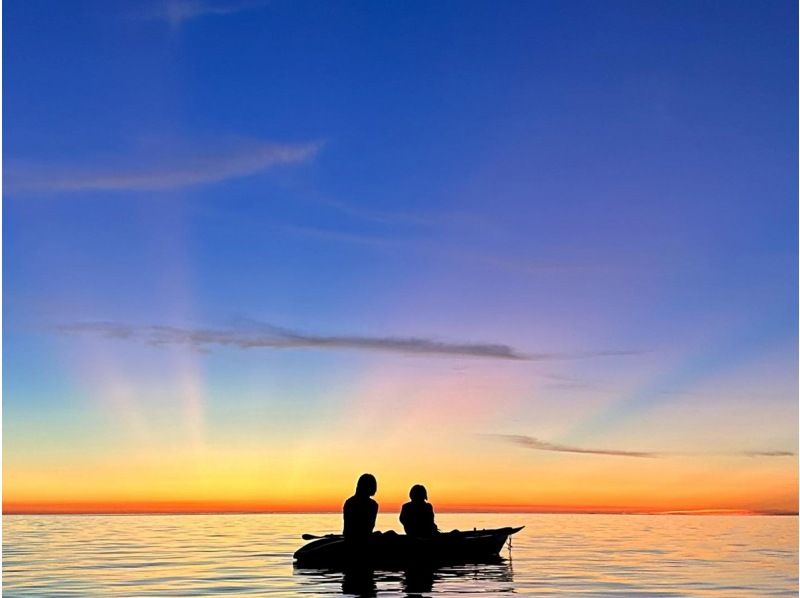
(345, 516)
(433, 520)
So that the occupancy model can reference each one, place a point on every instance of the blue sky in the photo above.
(606, 188)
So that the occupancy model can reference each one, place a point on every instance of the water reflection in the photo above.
(359, 582)
(495, 575)
(418, 581)
(556, 555)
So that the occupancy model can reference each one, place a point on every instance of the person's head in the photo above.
(367, 485)
(418, 493)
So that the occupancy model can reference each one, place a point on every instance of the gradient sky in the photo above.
(534, 255)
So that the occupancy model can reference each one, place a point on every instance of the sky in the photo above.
(537, 256)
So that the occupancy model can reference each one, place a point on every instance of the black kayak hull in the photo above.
(389, 550)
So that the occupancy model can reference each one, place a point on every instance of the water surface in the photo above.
(555, 555)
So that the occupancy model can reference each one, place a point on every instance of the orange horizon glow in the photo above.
(263, 507)
(383, 427)
(481, 477)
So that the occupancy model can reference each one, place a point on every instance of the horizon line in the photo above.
(500, 510)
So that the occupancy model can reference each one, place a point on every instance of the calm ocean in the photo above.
(555, 555)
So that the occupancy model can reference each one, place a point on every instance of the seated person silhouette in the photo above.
(360, 510)
(417, 515)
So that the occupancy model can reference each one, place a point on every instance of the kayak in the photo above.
(397, 550)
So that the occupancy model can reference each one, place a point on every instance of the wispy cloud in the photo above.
(541, 445)
(420, 219)
(273, 337)
(533, 443)
(431, 246)
(584, 354)
(560, 382)
(340, 236)
(767, 454)
(147, 173)
(177, 12)
(256, 335)
(388, 217)
(527, 266)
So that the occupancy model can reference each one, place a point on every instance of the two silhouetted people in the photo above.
(361, 510)
(417, 515)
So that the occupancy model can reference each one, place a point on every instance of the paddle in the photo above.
(313, 537)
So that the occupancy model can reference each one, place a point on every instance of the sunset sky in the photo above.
(534, 255)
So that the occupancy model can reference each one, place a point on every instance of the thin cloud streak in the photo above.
(380, 216)
(533, 443)
(177, 12)
(436, 248)
(257, 335)
(343, 236)
(273, 337)
(541, 445)
(768, 454)
(181, 170)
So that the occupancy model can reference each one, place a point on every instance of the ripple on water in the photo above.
(556, 555)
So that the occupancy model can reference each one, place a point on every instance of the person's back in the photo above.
(360, 510)
(417, 516)
(360, 513)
